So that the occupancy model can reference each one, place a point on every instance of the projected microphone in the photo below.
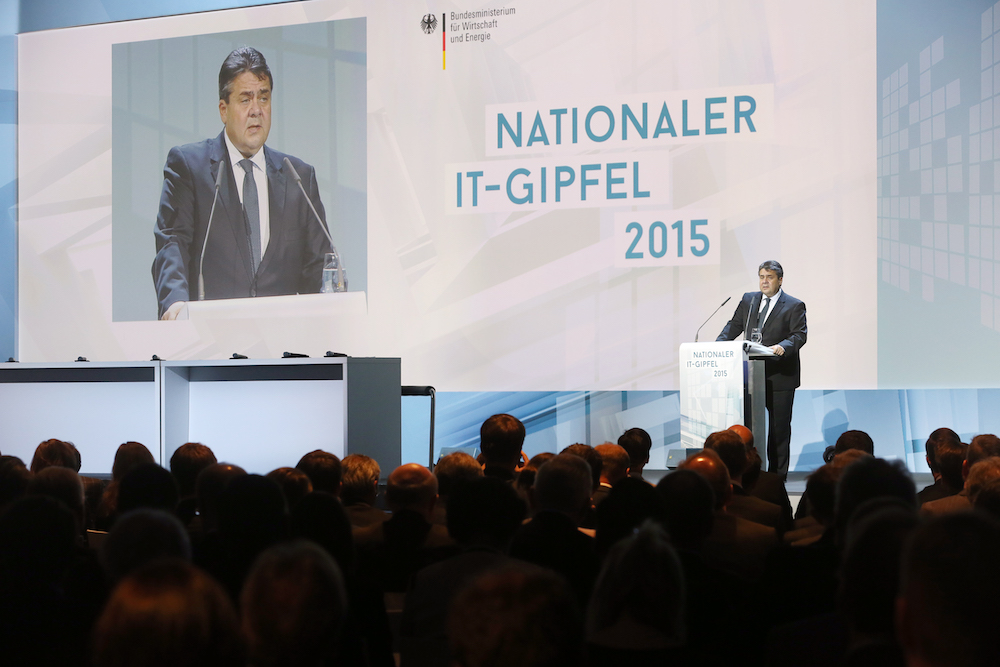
(208, 228)
(710, 317)
(319, 221)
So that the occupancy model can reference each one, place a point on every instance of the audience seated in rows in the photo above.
(982, 446)
(945, 454)
(277, 574)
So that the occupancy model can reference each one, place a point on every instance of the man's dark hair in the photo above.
(148, 485)
(14, 479)
(637, 443)
(129, 455)
(54, 453)
(730, 448)
(689, 502)
(486, 510)
(295, 484)
(982, 447)
(360, 477)
(563, 484)
(772, 265)
(949, 456)
(949, 586)
(821, 492)
(868, 478)
(934, 440)
(294, 606)
(455, 469)
(323, 469)
(590, 455)
(185, 464)
(501, 438)
(854, 439)
(524, 617)
(64, 485)
(630, 503)
(140, 537)
(243, 59)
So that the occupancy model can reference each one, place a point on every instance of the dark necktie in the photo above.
(252, 208)
(763, 313)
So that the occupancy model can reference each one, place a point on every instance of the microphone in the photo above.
(710, 317)
(208, 228)
(750, 311)
(319, 221)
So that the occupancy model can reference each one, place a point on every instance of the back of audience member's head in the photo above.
(981, 474)
(947, 613)
(253, 514)
(689, 503)
(708, 464)
(950, 457)
(641, 582)
(14, 479)
(563, 484)
(485, 511)
(732, 451)
(455, 469)
(593, 459)
(168, 613)
(64, 485)
(359, 481)
(854, 439)
(844, 459)
(982, 447)
(934, 440)
(413, 487)
(148, 485)
(140, 537)
(186, 462)
(638, 444)
(628, 505)
(37, 541)
(821, 491)
(526, 478)
(988, 499)
(294, 607)
(323, 469)
(869, 572)
(614, 462)
(211, 482)
(129, 455)
(501, 438)
(54, 453)
(320, 518)
(868, 478)
(516, 618)
(294, 483)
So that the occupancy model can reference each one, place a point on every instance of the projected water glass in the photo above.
(334, 275)
(755, 335)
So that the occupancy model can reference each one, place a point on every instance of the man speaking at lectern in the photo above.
(782, 321)
(264, 238)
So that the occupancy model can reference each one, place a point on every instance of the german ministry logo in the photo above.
(429, 23)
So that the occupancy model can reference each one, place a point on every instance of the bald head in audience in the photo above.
(413, 487)
(708, 464)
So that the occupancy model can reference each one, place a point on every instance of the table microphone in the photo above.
(208, 228)
(710, 317)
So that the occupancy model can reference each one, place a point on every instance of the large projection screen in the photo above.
(547, 195)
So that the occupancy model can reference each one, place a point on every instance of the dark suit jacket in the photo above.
(756, 510)
(785, 326)
(552, 540)
(293, 261)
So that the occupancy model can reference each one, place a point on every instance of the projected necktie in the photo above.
(763, 313)
(252, 208)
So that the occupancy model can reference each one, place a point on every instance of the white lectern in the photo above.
(722, 383)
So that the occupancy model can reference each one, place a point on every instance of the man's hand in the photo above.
(777, 349)
(174, 310)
